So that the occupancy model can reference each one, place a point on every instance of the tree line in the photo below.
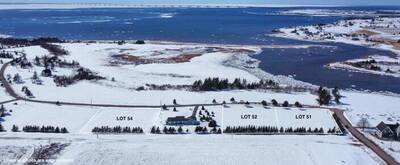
(80, 74)
(168, 130)
(44, 129)
(204, 130)
(20, 42)
(214, 84)
(56, 50)
(117, 129)
(251, 129)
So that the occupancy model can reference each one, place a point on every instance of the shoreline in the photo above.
(41, 6)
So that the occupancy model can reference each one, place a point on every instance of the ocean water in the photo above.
(249, 26)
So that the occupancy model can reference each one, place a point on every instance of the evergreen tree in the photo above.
(297, 104)
(232, 99)
(2, 128)
(14, 128)
(285, 104)
(35, 76)
(57, 130)
(212, 123)
(180, 130)
(264, 103)
(64, 130)
(274, 102)
(324, 96)
(174, 102)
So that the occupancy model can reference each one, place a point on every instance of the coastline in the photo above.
(43, 6)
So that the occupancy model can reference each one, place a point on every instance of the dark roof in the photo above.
(393, 127)
(177, 118)
(382, 126)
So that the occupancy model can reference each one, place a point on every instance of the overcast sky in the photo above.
(259, 2)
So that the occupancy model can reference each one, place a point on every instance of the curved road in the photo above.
(342, 119)
(367, 142)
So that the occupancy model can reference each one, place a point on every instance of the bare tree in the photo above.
(363, 123)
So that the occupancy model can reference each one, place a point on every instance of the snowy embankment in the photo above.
(383, 65)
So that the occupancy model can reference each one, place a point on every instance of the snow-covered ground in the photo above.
(373, 106)
(188, 149)
(255, 115)
(3, 93)
(129, 76)
(78, 120)
(176, 149)
(280, 117)
(391, 147)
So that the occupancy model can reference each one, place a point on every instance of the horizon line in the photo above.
(183, 4)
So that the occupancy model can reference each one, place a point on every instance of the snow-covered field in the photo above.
(188, 149)
(280, 117)
(128, 77)
(85, 148)
(78, 120)
(256, 115)
(373, 106)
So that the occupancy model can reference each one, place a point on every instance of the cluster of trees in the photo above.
(251, 129)
(204, 130)
(56, 50)
(325, 96)
(205, 115)
(284, 104)
(50, 62)
(368, 64)
(20, 42)
(2, 128)
(164, 87)
(168, 130)
(44, 129)
(121, 42)
(22, 62)
(27, 91)
(80, 74)
(214, 84)
(17, 79)
(4, 54)
(117, 129)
